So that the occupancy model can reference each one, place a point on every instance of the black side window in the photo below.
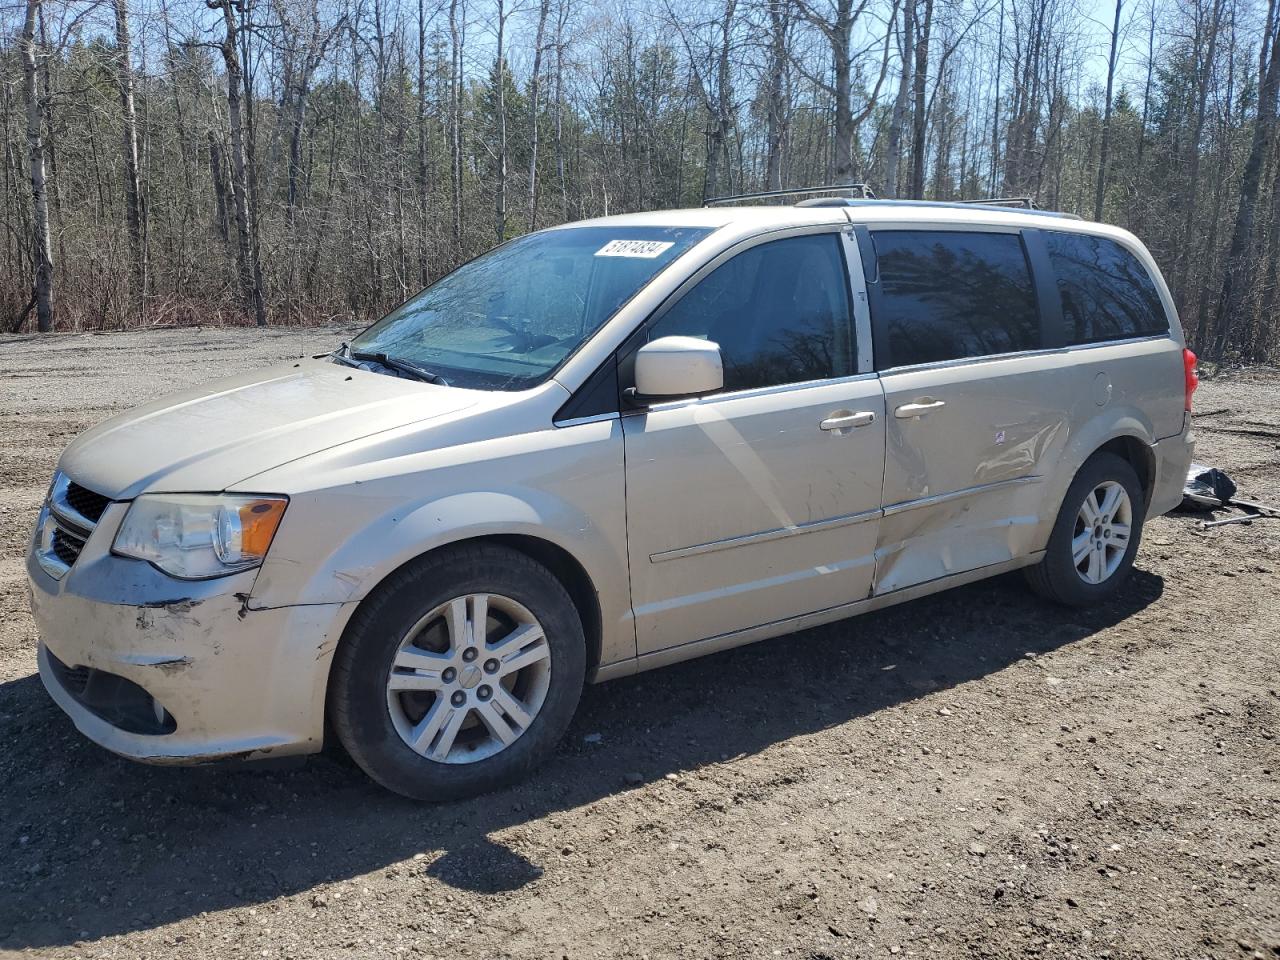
(1106, 292)
(947, 295)
(779, 311)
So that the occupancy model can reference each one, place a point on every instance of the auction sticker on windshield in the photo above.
(647, 249)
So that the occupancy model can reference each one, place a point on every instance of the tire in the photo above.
(1059, 576)
(400, 677)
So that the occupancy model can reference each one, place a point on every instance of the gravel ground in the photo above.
(972, 775)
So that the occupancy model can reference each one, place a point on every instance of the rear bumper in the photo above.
(1172, 459)
(166, 671)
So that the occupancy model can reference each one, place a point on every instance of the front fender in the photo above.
(563, 487)
(405, 531)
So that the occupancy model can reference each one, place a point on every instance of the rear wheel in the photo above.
(460, 674)
(1096, 535)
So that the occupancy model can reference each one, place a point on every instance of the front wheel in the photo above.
(1096, 535)
(459, 674)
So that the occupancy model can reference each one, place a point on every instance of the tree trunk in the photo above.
(500, 161)
(218, 174)
(42, 250)
(920, 113)
(995, 106)
(842, 71)
(724, 87)
(246, 253)
(1105, 149)
(1193, 187)
(777, 95)
(893, 144)
(132, 186)
(457, 37)
(424, 154)
(561, 17)
(534, 88)
(1235, 278)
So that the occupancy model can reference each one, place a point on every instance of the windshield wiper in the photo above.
(397, 363)
(342, 355)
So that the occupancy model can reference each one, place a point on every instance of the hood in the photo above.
(209, 438)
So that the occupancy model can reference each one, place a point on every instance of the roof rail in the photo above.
(936, 205)
(862, 189)
(1027, 203)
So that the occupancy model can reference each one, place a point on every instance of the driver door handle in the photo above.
(925, 406)
(848, 420)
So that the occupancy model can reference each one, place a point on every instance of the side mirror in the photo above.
(674, 367)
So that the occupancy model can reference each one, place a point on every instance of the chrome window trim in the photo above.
(1022, 354)
(777, 533)
(594, 418)
(755, 392)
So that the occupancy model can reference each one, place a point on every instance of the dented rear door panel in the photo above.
(964, 483)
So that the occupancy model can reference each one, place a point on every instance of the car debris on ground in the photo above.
(1208, 488)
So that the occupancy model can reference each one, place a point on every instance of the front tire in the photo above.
(459, 674)
(1095, 537)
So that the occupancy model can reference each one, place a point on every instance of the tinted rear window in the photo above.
(1106, 292)
(948, 295)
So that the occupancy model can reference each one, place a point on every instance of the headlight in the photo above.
(195, 536)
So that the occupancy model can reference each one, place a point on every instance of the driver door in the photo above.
(762, 502)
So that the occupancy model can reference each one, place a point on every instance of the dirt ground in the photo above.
(973, 775)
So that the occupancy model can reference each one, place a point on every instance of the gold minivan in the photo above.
(599, 449)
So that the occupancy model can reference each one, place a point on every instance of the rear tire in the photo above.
(459, 674)
(1095, 537)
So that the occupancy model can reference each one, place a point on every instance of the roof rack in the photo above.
(1027, 203)
(936, 205)
(863, 191)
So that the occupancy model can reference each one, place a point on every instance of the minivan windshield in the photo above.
(507, 319)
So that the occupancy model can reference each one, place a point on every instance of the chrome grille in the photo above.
(88, 504)
(67, 520)
(66, 546)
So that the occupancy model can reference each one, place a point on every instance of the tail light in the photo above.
(1190, 381)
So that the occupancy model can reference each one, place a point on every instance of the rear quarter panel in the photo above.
(1123, 389)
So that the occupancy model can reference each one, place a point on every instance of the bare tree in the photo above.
(897, 119)
(500, 156)
(1105, 149)
(42, 251)
(246, 252)
(535, 79)
(837, 25)
(457, 37)
(1239, 258)
(777, 89)
(132, 187)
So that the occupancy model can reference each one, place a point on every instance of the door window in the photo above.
(1106, 292)
(779, 311)
(948, 295)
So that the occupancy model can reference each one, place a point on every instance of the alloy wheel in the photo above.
(1101, 537)
(469, 678)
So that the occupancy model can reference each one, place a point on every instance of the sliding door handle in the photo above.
(847, 421)
(919, 409)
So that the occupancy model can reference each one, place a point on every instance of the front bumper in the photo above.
(234, 680)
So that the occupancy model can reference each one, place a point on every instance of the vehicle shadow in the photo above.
(98, 846)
